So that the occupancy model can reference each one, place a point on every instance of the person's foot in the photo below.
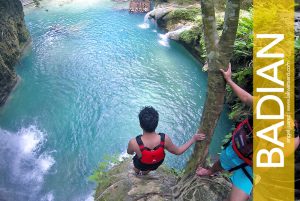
(203, 172)
(139, 172)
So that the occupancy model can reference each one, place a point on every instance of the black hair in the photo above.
(148, 117)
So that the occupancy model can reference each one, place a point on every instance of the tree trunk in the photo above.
(219, 52)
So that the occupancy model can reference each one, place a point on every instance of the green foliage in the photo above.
(242, 68)
(297, 44)
(297, 50)
(100, 175)
(190, 36)
(202, 49)
(194, 38)
(227, 137)
(180, 2)
(243, 74)
(243, 77)
(184, 14)
(173, 171)
(243, 46)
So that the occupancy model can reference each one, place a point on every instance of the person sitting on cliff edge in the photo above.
(149, 147)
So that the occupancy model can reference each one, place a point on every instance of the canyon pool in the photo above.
(90, 69)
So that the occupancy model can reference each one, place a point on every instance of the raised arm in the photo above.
(172, 148)
(243, 95)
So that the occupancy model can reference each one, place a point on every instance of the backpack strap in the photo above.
(243, 167)
(247, 174)
(238, 167)
(140, 142)
(162, 139)
(227, 143)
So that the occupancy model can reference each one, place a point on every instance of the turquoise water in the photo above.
(82, 83)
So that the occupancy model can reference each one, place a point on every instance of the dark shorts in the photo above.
(145, 167)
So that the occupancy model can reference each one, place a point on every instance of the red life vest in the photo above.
(152, 156)
(242, 141)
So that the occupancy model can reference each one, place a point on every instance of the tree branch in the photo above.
(231, 19)
(210, 27)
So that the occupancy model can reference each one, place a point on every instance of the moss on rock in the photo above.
(172, 16)
(160, 185)
(123, 184)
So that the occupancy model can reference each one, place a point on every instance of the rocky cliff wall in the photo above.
(121, 184)
(13, 38)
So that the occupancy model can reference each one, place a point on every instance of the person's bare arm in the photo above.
(243, 95)
(130, 149)
(172, 148)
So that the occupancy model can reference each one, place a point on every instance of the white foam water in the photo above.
(164, 39)
(144, 26)
(48, 197)
(23, 163)
(174, 35)
(90, 197)
(123, 156)
(146, 23)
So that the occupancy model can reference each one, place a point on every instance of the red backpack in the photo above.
(242, 144)
(152, 156)
(242, 141)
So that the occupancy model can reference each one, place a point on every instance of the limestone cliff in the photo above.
(121, 183)
(13, 38)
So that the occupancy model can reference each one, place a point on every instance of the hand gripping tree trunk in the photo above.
(219, 51)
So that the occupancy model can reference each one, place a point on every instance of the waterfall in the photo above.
(146, 23)
(174, 35)
(164, 39)
(24, 163)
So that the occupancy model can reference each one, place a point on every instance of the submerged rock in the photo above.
(13, 38)
(160, 185)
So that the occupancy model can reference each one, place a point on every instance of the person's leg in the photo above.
(145, 172)
(206, 172)
(237, 195)
(138, 172)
